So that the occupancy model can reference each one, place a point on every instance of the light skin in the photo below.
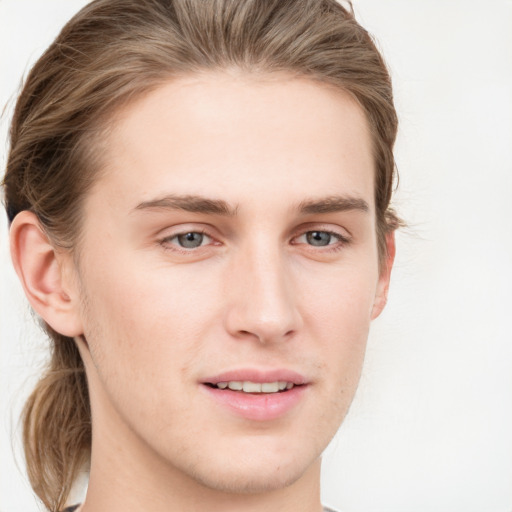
(272, 178)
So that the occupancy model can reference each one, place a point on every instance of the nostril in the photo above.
(267, 318)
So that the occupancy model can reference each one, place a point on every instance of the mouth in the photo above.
(248, 386)
(255, 395)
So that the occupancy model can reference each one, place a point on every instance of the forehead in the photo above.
(240, 138)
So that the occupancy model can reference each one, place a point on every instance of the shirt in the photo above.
(74, 507)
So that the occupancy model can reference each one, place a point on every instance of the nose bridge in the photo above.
(262, 304)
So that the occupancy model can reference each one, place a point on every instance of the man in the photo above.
(214, 240)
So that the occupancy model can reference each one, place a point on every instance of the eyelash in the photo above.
(342, 241)
(167, 244)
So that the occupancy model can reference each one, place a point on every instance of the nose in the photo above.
(262, 303)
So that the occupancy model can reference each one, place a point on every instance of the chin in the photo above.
(255, 466)
(246, 480)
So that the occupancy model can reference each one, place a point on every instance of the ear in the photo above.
(381, 295)
(46, 275)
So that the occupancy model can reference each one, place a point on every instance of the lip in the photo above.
(258, 406)
(255, 375)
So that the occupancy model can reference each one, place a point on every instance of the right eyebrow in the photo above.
(189, 203)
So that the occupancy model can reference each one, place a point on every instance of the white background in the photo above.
(431, 427)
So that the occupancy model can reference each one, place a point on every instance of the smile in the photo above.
(257, 395)
(248, 386)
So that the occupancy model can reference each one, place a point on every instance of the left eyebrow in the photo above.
(333, 204)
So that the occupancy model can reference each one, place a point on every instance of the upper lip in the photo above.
(257, 375)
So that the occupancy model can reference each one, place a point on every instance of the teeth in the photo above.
(251, 387)
(255, 387)
(270, 387)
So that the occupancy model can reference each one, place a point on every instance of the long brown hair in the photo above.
(112, 52)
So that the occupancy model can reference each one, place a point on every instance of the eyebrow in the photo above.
(200, 204)
(333, 204)
(189, 203)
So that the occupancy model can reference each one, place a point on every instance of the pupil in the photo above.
(190, 240)
(318, 238)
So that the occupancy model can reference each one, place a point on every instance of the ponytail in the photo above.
(57, 425)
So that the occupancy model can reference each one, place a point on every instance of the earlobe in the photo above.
(40, 268)
(381, 295)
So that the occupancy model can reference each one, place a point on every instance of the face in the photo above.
(230, 242)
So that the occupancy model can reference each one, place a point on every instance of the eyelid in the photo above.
(343, 239)
(177, 235)
(186, 227)
(337, 231)
(341, 234)
(340, 238)
(167, 234)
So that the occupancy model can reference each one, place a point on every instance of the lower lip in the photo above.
(257, 406)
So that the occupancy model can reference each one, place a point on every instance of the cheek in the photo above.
(147, 321)
(340, 299)
(132, 328)
(336, 312)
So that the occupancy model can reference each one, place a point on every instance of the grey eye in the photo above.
(318, 238)
(190, 240)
